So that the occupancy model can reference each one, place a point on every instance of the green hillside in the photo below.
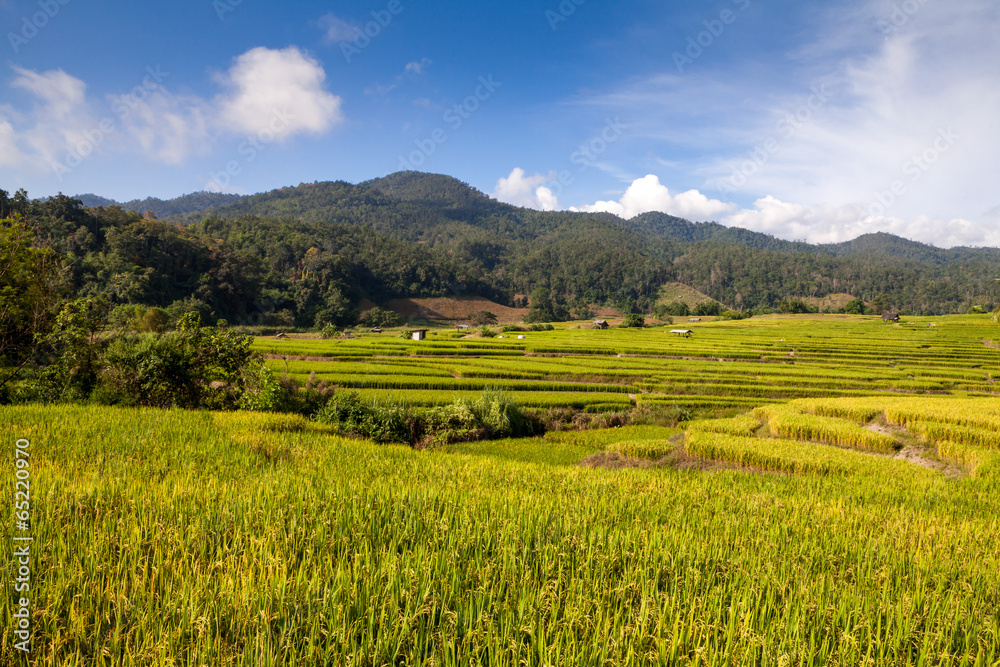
(309, 254)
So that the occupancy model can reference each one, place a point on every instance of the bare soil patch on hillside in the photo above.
(454, 308)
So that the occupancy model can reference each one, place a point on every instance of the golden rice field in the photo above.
(854, 526)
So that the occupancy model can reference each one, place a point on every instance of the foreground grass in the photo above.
(176, 538)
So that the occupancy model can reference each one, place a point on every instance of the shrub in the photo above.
(328, 331)
(191, 368)
(486, 332)
(633, 321)
(382, 421)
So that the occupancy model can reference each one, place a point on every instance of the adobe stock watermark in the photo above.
(586, 156)
(30, 25)
(363, 36)
(785, 129)
(223, 7)
(900, 16)
(454, 118)
(714, 29)
(913, 169)
(562, 13)
(123, 106)
(249, 149)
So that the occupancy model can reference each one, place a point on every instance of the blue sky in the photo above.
(807, 120)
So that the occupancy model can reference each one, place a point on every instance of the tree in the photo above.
(857, 307)
(540, 309)
(484, 317)
(29, 290)
(880, 304)
(75, 342)
(708, 309)
(381, 318)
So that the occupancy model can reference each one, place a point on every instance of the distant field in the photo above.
(843, 511)
(723, 364)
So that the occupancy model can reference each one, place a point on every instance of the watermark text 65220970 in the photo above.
(22, 545)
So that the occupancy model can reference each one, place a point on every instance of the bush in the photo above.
(195, 367)
(492, 415)
(328, 331)
(486, 332)
(382, 421)
(734, 315)
(542, 327)
(633, 321)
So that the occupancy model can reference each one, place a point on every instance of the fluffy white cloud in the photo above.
(648, 194)
(281, 90)
(770, 215)
(272, 94)
(826, 224)
(528, 191)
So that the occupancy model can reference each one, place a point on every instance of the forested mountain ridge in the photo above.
(310, 253)
(162, 208)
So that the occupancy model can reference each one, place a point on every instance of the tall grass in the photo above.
(165, 538)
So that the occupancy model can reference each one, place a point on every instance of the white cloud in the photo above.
(769, 215)
(60, 120)
(527, 191)
(827, 224)
(165, 128)
(10, 155)
(648, 194)
(336, 29)
(417, 66)
(55, 127)
(269, 83)
(889, 96)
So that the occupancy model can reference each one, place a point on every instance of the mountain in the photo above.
(192, 203)
(315, 251)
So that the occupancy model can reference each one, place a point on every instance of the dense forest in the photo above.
(309, 255)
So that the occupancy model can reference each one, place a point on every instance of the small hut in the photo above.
(375, 330)
(419, 334)
(600, 324)
(890, 317)
(682, 332)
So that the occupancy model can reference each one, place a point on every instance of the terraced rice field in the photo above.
(724, 364)
(854, 527)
